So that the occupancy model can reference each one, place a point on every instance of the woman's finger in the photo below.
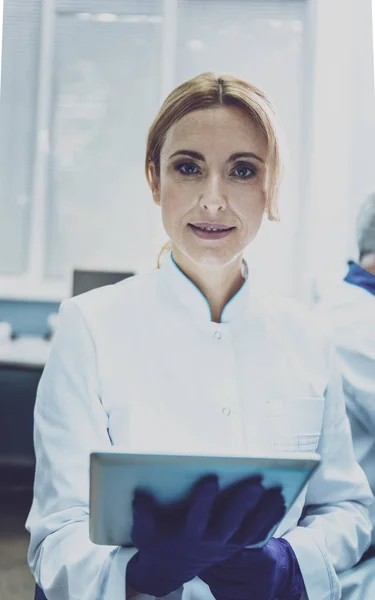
(200, 506)
(232, 507)
(259, 522)
(144, 506)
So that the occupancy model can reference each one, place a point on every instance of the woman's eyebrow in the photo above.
(190, 153)
(238, 155)
(199, 156)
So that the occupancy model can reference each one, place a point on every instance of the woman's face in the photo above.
(211, 186)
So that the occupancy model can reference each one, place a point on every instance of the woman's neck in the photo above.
(217, 284)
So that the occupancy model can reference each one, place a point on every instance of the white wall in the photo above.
(1, 33)
(342, 160)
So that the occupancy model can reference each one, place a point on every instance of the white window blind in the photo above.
(105, 94)
(21, 32)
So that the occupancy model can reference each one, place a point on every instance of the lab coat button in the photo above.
(217, 335)
(226, 411)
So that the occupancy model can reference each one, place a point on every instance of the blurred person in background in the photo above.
(351, 308)
(192, 358)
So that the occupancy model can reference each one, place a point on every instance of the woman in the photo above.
(191, 357)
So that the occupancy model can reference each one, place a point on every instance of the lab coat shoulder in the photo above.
(116, 304)
(303, 333)
(351, 311)
(94, 322)
(299, 319)
(104, 330)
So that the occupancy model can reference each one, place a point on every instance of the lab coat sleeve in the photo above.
(69, 423)
(358, 368)
(335, 529)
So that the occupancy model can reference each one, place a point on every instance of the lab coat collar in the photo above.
(192, 298)
(360, 277)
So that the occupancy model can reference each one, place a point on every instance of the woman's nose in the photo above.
(213, 195)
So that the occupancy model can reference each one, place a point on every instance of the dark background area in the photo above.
(16, 581)
(18, 385)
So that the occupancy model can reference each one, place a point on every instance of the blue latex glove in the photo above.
(177, 543)
(268, 573)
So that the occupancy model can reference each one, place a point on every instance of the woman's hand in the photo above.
(175, 544)
(265, 574)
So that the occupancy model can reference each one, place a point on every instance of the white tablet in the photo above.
(114, 476)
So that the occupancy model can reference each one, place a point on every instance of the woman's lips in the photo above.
(210, 231)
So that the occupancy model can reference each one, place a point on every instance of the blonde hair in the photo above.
(210, 91)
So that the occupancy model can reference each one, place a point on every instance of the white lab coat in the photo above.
(351, 310)
(140, 364)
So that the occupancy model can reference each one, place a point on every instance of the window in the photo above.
(106, 90)
(19, 87)
(73, 149)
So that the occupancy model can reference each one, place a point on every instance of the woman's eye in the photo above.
(244, 171)
(188, 169)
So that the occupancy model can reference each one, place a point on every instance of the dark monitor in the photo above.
(84, 281)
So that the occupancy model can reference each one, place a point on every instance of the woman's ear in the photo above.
(154, 181)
